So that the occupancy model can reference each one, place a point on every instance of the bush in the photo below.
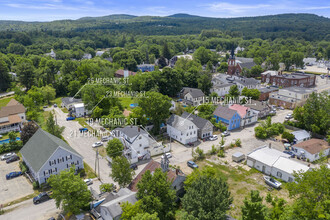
(221, 153)
(82, 172)
(23, 167)
(199, 154)
(35, 185)
(238, 142)
(288, 136)
(106, 187)
(214, 150)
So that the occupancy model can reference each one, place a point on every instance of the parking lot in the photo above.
(14, 188)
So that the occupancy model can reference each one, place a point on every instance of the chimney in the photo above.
(139, 129)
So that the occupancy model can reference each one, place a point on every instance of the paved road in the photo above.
(28, 211)
(83, 144)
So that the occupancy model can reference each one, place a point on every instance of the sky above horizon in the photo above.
(49, 10)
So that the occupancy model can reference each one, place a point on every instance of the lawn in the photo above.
(5, 136)
(4, 101)
(241, 182)
(89, 171)
(125, 102)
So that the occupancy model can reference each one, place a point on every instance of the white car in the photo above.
(88, 181)
(7, 156)
(97, 144)
(168, 155)
(225, 133)
(213, 137)
(288, 116)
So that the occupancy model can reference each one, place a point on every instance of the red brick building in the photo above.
(288, 80)
(237, 64)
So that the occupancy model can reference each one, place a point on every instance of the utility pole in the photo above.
(97, 165)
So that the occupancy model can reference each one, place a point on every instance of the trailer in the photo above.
(238, 157)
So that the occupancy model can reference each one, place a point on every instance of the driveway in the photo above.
(14, 188)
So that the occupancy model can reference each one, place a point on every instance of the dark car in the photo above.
(13, 175)
(192, 164)
(290, 153)
(12, 159)
(133, 166)
(70, 118)
(42, 197)
(83, 130)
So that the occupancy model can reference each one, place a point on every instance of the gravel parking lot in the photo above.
(14, 188)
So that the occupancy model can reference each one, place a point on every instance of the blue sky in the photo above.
(48, 10)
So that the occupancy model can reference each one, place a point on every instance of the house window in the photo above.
(316, 155)
(279, 174)
(140, 137)
(187, 134)
(140, 145)
(290, 179)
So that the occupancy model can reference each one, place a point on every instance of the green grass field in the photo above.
(4, 101)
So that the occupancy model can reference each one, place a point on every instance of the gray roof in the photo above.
(300, 90)
(195, 93)
(244, 59)
(179, 123)
(257, 105)
(41, 146)
(247, 65)
(131, 131)
(69, 100)
(224, 112)
(247, 81)
(268, 89)
(198, 121)
(113, 206)
(223, 85)
(301, 134)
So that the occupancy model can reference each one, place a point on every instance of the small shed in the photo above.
(238, 157)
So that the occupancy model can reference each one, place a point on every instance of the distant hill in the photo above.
(109, 17)
(182, 15)
(300, 26)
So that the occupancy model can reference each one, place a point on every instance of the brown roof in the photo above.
(121, 73)
(152, 166)
(313, 145)
(12, 120)
(12, 108)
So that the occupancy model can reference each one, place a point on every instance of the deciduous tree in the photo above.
(121, 171)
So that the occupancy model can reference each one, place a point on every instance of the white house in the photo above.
(79, 110)
(301, 135)
(221, 89)
(284, 168)
(192, 96)
(12, 116)
(275, 163)
(311, 149)
(44, 154)
(182, 129)
(205, 127)
(69, 102)
(138, 143)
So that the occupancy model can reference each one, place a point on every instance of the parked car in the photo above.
(192, 164)
(42, 197)
(213, 137)
(104, 138)
(83, 130)
(13, 175)
(70, 118)
(290, 153)
(88, 181)
(7, 156)
(97, 144)
(12, 159)
(45, 106)
(288, 116)
(55, 105)
(225, 133)
(168, 155)
(133, 166)
(272, 112)
(281, 108)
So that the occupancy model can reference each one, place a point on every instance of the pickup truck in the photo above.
(42, 197)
